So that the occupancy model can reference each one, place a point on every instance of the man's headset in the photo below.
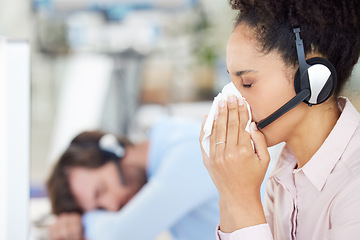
(314, 82)
(113, 150)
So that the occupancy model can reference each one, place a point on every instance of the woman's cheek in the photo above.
(256, 111)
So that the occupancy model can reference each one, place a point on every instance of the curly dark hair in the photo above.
(83, 151)
(328, 27)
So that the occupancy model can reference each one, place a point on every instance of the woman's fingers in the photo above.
(233, 122)
(212, 140)
(220, 128)
(244, 136)
(259, 143)
(202, 133)
(229, 128)
(202, 129)
(243, 114)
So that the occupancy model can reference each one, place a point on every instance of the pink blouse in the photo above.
(322, 199)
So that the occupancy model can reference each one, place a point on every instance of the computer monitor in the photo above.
(14, 138)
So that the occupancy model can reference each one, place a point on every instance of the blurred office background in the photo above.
(118, 65)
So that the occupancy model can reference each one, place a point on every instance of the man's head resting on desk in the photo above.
(88, 177)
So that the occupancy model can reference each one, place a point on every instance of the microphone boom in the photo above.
(300, 97)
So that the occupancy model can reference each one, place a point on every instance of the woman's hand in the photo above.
(235, 168)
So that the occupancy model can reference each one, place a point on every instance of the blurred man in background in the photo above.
(142, 190)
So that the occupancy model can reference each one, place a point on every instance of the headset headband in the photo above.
(304, 93)
(109, 143)
(303, 66)
(114, 151)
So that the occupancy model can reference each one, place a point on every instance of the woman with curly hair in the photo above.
(289, 60)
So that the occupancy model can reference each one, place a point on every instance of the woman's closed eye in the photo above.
(247, 81)
(247, 85)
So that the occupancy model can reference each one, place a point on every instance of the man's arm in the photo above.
(180, 185)
(67, 226)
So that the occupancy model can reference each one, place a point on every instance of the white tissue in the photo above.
(229, 89)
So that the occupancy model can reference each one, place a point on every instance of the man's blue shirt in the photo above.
(179, 196)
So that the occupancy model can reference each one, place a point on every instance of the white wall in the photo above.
(14, 139)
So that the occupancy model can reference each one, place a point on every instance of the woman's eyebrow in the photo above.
(240, 73)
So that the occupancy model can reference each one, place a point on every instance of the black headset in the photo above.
(113, 150)
(314, 82)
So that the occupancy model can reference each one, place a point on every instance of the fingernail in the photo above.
(254, 126)
(241, 101)
(222, 104)
(230, 99)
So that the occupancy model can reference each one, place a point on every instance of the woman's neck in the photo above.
(312, 133)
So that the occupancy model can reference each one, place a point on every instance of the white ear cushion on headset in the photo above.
(318, 76)
(109, 143)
